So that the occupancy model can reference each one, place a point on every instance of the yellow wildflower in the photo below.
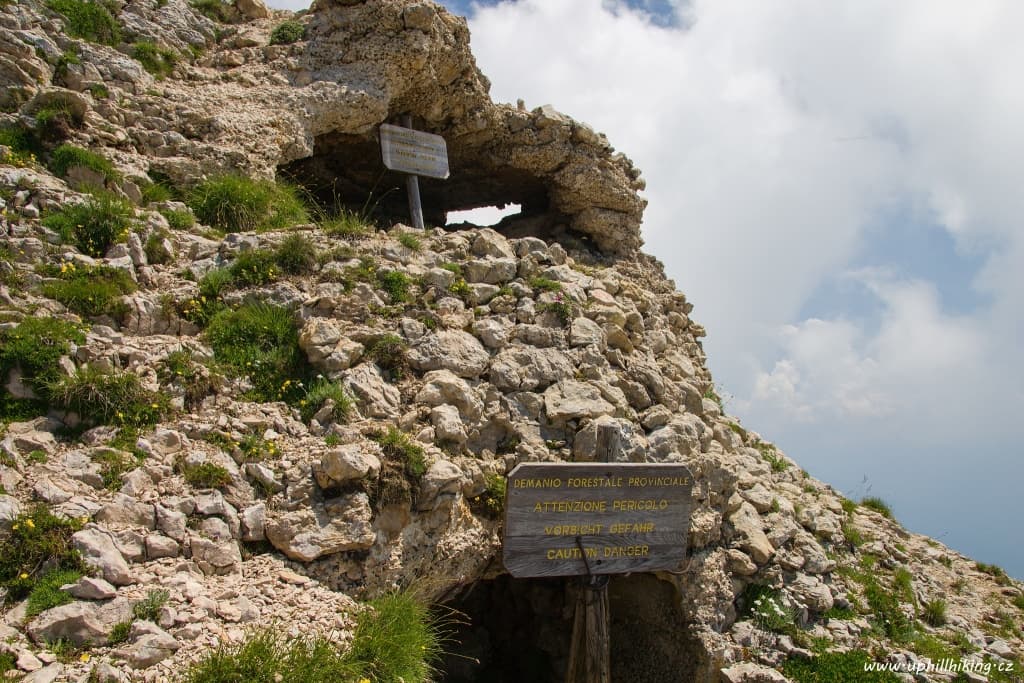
(30, 524)
(85, 657)
(23, 576)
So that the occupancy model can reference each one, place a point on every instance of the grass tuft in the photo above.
(47, 593)
(323, 390)
(39, 544)
(934, 613)
(878, 505)
(206, 475)
(91, 291)
(157, 60)
(148, 609)
(95, 225)
(390, 353)
(88, 20)
(836, 667)
(398, 447)
(234, 203)
(115, 398)
(287, 32)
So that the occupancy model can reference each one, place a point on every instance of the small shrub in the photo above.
(155, 59)
(848, 505)
(119, 634)
(217, 10)
(47, 593)
(396, 284)
(934, 612)
(255, 448)
(254, 267)
(91, 291)
(56, 121)
(323, 390)
(396, 445)
(261, 341)
(94, 226)
(1018, 602)
(115, 398)
(287, 32)
(206, 475)
(36, 457)
(878, 505)
(296, 255)
(204, 306)
(836, 667)
(148, 609)
(39, 543)
(98, 91)
(459, 287)
(23, 144)
(491, 503)
(234, 203)
(113, 464)
(90, 21)
(410, 241)
(390, 353)
(562, 309)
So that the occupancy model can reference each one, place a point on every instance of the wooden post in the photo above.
(590, 653)
(412, 186)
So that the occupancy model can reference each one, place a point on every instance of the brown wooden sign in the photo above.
(614, 517)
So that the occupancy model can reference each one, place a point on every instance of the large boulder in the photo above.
(99, 550)
(453, 350)
(80, 622)
(339, 525)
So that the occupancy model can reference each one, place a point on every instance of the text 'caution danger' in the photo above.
(561, 518)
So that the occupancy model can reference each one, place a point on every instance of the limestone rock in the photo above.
(342, 464)
(454, 350)
(92, 588)
(748, 672)
(441, 477)
(751, 536)
(522, 368)
(338, 525)
(98, 549)
(571, 400)
(79, 622)
(215, 557)
(376, 397)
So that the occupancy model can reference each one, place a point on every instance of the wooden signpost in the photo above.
(594, 520)
(414, 153)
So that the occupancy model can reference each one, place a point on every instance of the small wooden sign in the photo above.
(413, 151)
(620, 517)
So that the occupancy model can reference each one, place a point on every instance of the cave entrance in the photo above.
(346, 172)
(519, 630)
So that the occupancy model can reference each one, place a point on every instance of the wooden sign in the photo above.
(413, 151)
(561, 518)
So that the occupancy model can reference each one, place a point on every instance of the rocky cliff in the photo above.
(261, 417)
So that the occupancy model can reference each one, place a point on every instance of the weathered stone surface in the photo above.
(98, 549)
(441, 477)
(571, 400)
(448, 427)
(376, 397)
(522, 368)
(79, 622)
(751, 536)
(444, 387)
(215, 556)
(342, 464)
(338, 525)
(453, 350)
(748, 672)
(325, 344)
(150, 645)
(91, 588)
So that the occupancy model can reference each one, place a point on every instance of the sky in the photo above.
(834, 185)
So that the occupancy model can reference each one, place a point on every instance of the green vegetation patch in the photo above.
(113, 464)
(262, 342)
(148, 609)
(22, 142)
(114, 398)
(206, 475)
(323, 390)
(47, 593)
(765, 607)
(234, 203)
(95, 225)
(396, 284)
(155, 59)
(34, 347)
(878, 505)
(296, 255)
(56, 120)
(254, 267)
(88, 20)
(91, 291)
(836, 667)
(179, 368)
(68, 156)
(398, 447)
(390, 352)
(217, 10)
(287, 32)
(39, 545)
(491, 503)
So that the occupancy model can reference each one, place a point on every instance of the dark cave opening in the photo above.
(517, 630)
(346, 172)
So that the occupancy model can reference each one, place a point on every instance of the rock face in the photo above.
(506, 346)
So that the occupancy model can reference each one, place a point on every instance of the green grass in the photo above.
(995, 571)
(234, 203)
(459, 287)
(347, 224)
(878, 505)
(47, 593)
(94, 225)
(410, 241)
(148, 609)
(764, 606)
(772, 456)
(261, 341)
(396, 284)
(24, 145)
(844, 614)
(397, 639)
(562, 309)
(68, 156)
(90, 21)
(201, 308)
(903, 584)
(254, 268)
(35, 346)
(114, 398)
(113, 464)
(119, 634)
(39, 543)
(836, 667)
(287, 32)
(399, 448)
(322, 390)
(156, 251)
(543, 284)
(91, 291)
(885, 606)
(157, 60)
(491, 503)
(934, 613)
(1018, 602)
(296, 255)
(206, 475)
(98, 91)
(217, 10)
(178, 219)
(180, 368)
(390, 353)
